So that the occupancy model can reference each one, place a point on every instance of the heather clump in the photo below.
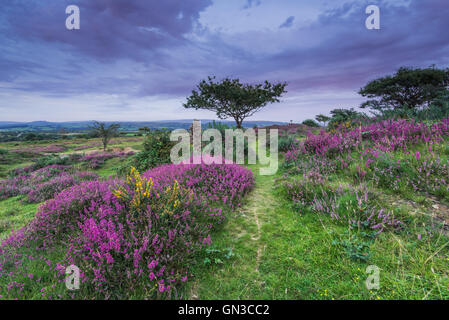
(46, 190)
(427, 174)
(302, 164)
(40, 150)
(354, 208)
(98, 159)
(225, 184)
(42, 184)
(136, 236)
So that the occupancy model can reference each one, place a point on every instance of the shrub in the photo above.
(287, 143)
(311, 123)
(49, 160)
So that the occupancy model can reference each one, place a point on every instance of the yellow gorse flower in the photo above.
(139, 190)
(142, 188)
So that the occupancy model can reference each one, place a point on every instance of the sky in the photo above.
(138, 60)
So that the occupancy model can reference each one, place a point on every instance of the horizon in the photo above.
(142, 59)
(163, 120)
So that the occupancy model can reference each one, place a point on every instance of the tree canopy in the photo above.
(229, 98)
(322, 118)
(311, 123)
(407, 89)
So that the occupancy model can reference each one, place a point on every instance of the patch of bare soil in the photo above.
(437, 211)
(125, 150)
(440, 213)
(115, 149)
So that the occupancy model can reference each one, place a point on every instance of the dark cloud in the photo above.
(109, 29)
(288, 22)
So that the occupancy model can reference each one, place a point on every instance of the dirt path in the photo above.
(260, 202)
(244, 232)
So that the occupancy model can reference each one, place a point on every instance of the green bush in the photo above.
(50, 160)
(157, 147)
(287, 143)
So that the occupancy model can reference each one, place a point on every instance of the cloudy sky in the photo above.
(139, 59)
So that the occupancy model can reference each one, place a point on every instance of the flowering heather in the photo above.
(385, 136)
(41, 149)
(427, 174)
(305, 163)
(44, 183)
(48, 189)
(344, 206)
(222, 183)
(96, 160)
(136, 235)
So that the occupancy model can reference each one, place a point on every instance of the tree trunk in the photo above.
(238, 122)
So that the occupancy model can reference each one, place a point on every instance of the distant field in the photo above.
(83, 126)
(21, 154)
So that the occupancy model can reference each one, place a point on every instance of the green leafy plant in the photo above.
(213, 255)
(356, 245)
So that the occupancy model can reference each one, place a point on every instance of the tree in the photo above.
(231, 99)
(311, 123)
(345, 115)
(407, 89)
(31, 136)
(322, 118)
(100, 129)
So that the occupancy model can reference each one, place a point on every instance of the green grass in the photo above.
(109, 169)
(14, 214)
(280, 254)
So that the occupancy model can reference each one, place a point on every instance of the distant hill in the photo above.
(8, 122)
(82, 126)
